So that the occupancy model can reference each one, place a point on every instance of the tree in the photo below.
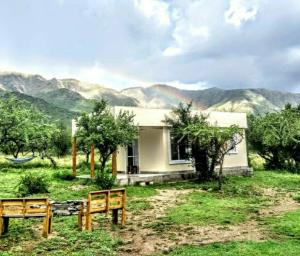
(23, 129)
(61, 140)
(208, 144)
(105, 130)
(218, 141)
(180, 118)
(276, 137)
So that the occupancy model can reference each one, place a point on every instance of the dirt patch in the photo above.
(140, 239)
(280, 205)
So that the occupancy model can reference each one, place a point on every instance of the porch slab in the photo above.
(131, 179)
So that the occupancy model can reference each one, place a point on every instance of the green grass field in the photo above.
(241, 200)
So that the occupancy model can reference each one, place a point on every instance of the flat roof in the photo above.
(156, 117)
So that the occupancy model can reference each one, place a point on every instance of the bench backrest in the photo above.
(24, 207)
(102, 201)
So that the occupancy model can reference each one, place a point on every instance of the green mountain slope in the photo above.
(67, 99)
(55, 113)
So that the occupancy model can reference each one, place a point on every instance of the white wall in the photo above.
(154, 153)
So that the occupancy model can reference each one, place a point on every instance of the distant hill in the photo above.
(55, 113)
(67, 99)
(38, 86)
(236, 100)
(76, 96)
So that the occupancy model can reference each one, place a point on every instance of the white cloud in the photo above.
(154, 9)
(240, 11)
(188, 86)
(172, 51)
(293, 54)
(191, 27)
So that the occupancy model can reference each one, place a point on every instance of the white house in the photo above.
(154, 151)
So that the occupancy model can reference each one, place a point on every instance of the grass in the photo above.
(67, 240)
(239, 200)
(287, 224)
(251, 248)
(202, 208)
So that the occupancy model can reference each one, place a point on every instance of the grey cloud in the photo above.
(119, 38)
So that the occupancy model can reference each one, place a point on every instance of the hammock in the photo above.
(19, 160)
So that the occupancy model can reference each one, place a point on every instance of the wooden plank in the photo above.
(36, 210)
(102, 192)
(36, 201)
(12, 203)
(98, 202)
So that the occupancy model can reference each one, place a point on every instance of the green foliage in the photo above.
(64, 175)
(105, 179)
(208, 144)
(276, 138)
(181, 118)
(61, 141)
(33, 184)
(105, 131)
(24, 129)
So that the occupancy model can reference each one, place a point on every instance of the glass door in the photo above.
(133, 157)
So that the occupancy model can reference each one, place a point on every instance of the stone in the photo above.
(62, 213)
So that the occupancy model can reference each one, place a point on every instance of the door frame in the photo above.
(137, 156)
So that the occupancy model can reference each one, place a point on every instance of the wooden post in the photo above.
(114, 163)
(74, 155)
(92, 161)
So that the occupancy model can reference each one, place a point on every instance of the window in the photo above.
(179, 151)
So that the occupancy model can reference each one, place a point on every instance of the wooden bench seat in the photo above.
(102, 202)
(25, 208)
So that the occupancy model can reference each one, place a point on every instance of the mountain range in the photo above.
(64, 98)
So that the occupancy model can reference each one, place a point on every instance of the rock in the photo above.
(62, 212)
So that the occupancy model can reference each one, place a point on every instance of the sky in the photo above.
(190, 44)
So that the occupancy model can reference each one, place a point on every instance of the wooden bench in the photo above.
(102, 202)
(25, 208)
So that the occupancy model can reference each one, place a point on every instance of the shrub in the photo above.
(33, 184)
(64, 175)
(105, 179)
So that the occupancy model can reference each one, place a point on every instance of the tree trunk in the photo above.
(53, 163)
(201, 164)
(220, 176)
(87, 157)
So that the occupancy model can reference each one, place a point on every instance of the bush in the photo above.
(64, 175)
(33, 184)
(105, 179)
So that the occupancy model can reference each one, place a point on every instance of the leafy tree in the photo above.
(61, 140)
(218, 141)
(208, 144)
(105, 130)
(276, 137)
(24, 129)
(180, 118)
